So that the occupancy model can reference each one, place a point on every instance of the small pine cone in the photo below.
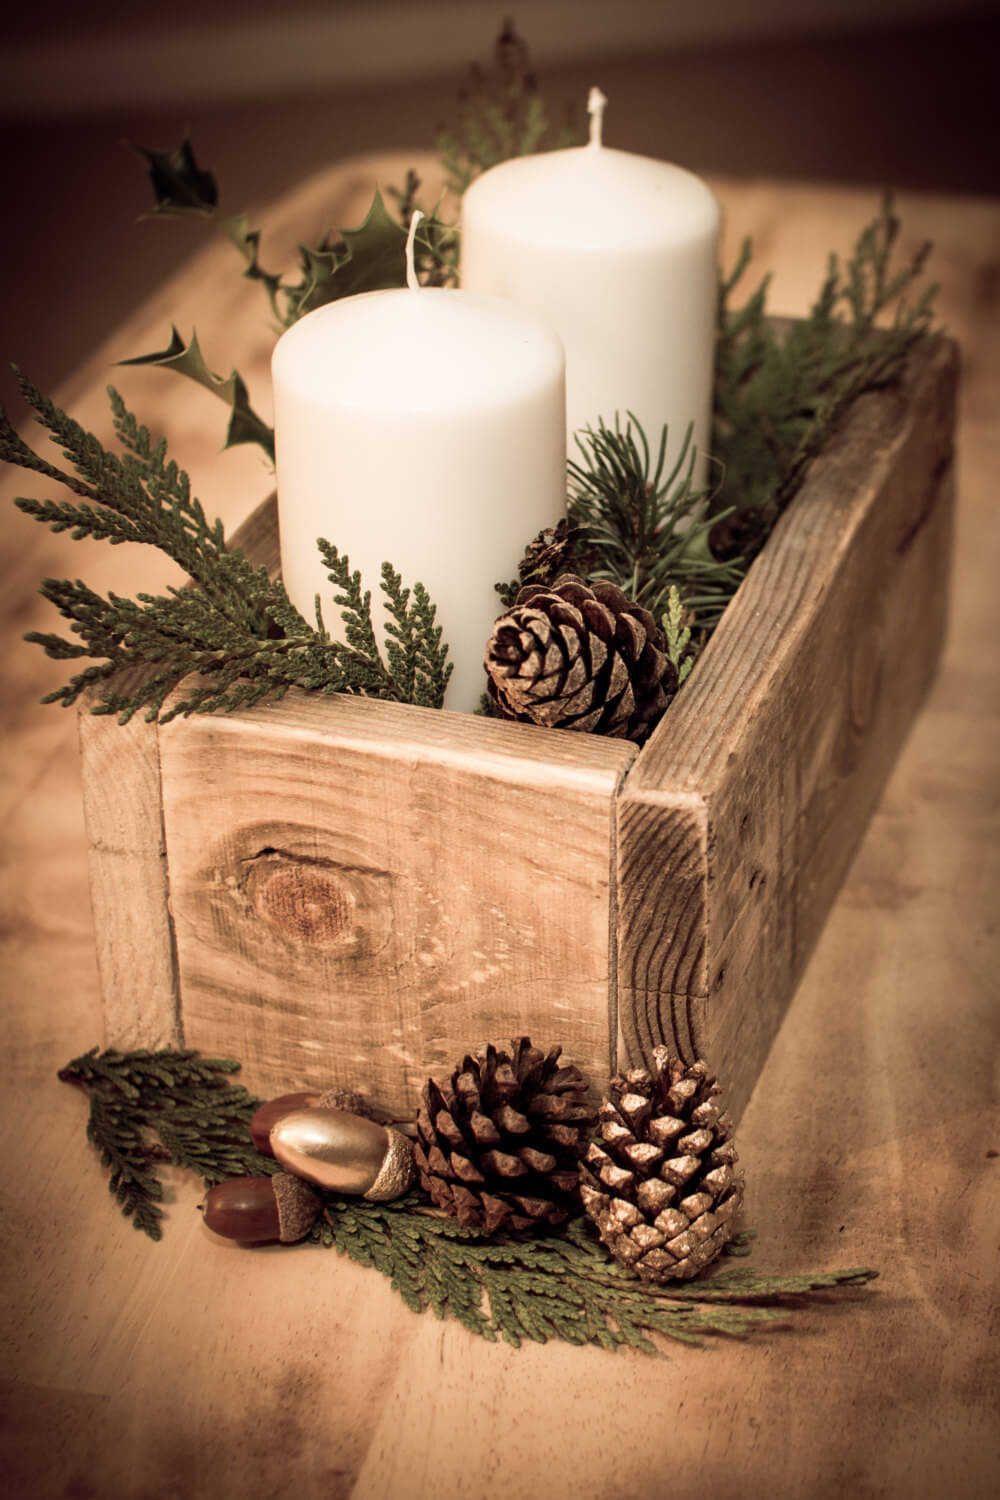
(579, 656)
(661, 1185)
(500, 1147)
(545, 557)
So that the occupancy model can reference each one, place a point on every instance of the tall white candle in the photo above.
(424, 427)
(620, 252)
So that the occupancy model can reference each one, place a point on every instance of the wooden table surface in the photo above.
(192, 1368)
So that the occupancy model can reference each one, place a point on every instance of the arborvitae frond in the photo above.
(779, 398)
(561, 1286)
(165, 1107)
(236, 637)
(677, 635)
(501, 115)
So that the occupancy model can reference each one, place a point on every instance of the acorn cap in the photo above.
(298, 1207)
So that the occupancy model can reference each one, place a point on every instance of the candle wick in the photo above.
(411, 269)
(596, 105)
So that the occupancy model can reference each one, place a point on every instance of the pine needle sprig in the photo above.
(232, 641)
(643, 527)
(168, 1107)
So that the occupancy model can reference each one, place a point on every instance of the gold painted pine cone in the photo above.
(579, 656)
(499, 1145)
(660, 1185)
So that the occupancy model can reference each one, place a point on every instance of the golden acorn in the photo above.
(343, 1152)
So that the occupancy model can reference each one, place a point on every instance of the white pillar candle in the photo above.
(620, 253)
(423, 427)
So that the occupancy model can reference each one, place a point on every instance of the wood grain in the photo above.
(363, 891)
(192, 1368)
(739, 820)
(129, 885)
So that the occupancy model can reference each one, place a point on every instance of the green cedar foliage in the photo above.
(501, 115)
(677, 633)
(236, 636)
(169, 1108)
(780, 393)
(561, 1286)
(177, 1108)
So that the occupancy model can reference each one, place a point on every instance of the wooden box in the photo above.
(346, 892)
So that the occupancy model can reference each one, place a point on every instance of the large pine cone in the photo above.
(579, 656)
(500, 1147)
(661, 1186)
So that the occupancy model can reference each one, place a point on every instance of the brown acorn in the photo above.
(268, 1115)
(261, 1210)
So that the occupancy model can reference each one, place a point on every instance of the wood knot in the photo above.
(319, 903)
(306, 901)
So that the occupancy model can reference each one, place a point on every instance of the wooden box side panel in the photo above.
(662, 925)
(362, 893)
(785, 735)
(120, 772)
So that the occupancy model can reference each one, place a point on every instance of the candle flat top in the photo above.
(418, 350)
(595, 196)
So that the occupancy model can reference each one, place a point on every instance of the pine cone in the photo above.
(661, 1187)
(500, 1148)
(578, 656)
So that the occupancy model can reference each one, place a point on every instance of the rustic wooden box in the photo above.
(338, 891)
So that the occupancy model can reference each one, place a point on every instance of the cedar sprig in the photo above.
(780, 394)
(561, 1286)
(234, 640)
(415, 668)
(644, 527)
(168, 1107)
(677, 635)
(502, 114)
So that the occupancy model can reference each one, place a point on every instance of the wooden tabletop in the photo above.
(191, 1368)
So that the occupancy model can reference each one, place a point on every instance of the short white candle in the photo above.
(620, 252)
(423, 427)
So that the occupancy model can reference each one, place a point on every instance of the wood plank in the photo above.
(746, 806)
(363, 891)
(129, 891)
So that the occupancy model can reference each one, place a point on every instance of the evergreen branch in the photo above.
(165, 1107)
(562, 1286)
(236, 639)
(645, 528)
(677, 635)
(501, 115)
(778, 400)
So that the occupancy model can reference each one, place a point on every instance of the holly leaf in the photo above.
(179, 185)
(371, 258)
(245, 426)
